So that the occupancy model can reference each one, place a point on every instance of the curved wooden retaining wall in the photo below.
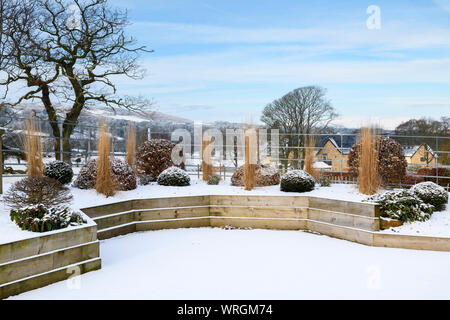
(36, 262)
(353, 221)
(44, 259)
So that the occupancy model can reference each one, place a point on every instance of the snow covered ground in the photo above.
(209, 263)
(438, 225)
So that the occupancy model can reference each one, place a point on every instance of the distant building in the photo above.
(334, 155)
(421, 155)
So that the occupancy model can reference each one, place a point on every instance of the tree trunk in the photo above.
(53, 120)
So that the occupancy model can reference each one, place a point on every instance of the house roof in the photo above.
(343, 147)
(321, 165)
(412, 150)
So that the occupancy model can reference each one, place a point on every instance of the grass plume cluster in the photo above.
(32, 143)
(104, 183)
(309, 156)
(131, 145)
(368, 176)
(207, 167)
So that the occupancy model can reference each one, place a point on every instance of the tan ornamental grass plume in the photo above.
(250, 159)
(131, 145)
(207, 166)
(32, 143)
(368, 175)
(104, 183)
(310, 156)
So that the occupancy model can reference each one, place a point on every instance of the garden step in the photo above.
(46, 278)
(344, 219)
(26, 267)
(356, 208)
(47, 242)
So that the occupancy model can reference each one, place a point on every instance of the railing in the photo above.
(291, 151)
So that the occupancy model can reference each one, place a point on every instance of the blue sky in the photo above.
(225, 60)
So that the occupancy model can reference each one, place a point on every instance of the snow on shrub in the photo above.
(39, 218)
(324, 181)
(59, 170)
(213, 180)
(154, 156)
(174, 176)
(265, 175)
(145, 179)
(37, 190)
(431, 193)
(402, 205)
(123, 175)
(297, 181)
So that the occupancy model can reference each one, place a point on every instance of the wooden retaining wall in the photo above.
(47, 258)
(352, 221)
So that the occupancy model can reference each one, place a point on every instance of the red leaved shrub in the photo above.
(122, 174)
(391, 160)
(154, 156)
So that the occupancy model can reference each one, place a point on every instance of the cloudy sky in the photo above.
(225, 60)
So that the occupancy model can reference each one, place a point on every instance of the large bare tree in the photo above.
(298, 113)
(72, 50)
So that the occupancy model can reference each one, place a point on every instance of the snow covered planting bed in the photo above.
(10, 232)
(212, 263)
(438, 225)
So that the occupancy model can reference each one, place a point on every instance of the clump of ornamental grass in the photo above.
(309, 157)
(250, 159)
(207, 167)
(131, 145)
(32, 143)
(104, 183)
(368, 175)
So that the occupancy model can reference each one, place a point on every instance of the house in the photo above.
(334, 154)
(421, 155)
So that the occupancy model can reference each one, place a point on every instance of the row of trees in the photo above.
(66, 50)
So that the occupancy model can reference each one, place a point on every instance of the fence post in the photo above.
(149, 134)
(342, 157)
(61, 141)
(88, 156)
(1, 160)
(436, 159)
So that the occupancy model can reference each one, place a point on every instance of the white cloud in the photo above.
(392, 36)
(388, 123)
(444, 4)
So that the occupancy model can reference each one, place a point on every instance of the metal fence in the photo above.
(331, 151)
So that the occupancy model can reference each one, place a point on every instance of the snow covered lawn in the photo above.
(211, 263)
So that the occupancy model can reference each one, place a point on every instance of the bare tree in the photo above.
(71, 50)
(300, 112)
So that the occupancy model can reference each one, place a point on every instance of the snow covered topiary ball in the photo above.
(59, 171)
(431, 193)
(297, 181)
(123, 175)
(174, 176)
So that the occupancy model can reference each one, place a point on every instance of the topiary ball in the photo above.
(297, 181)
(431, 193)
(174, 176)
(123, 175)
(154, 156)
(60, 171)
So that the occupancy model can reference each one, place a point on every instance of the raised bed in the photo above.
(353, 221)
(47, 258)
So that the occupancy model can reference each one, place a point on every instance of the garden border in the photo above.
(348, 220)
(48, 257)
